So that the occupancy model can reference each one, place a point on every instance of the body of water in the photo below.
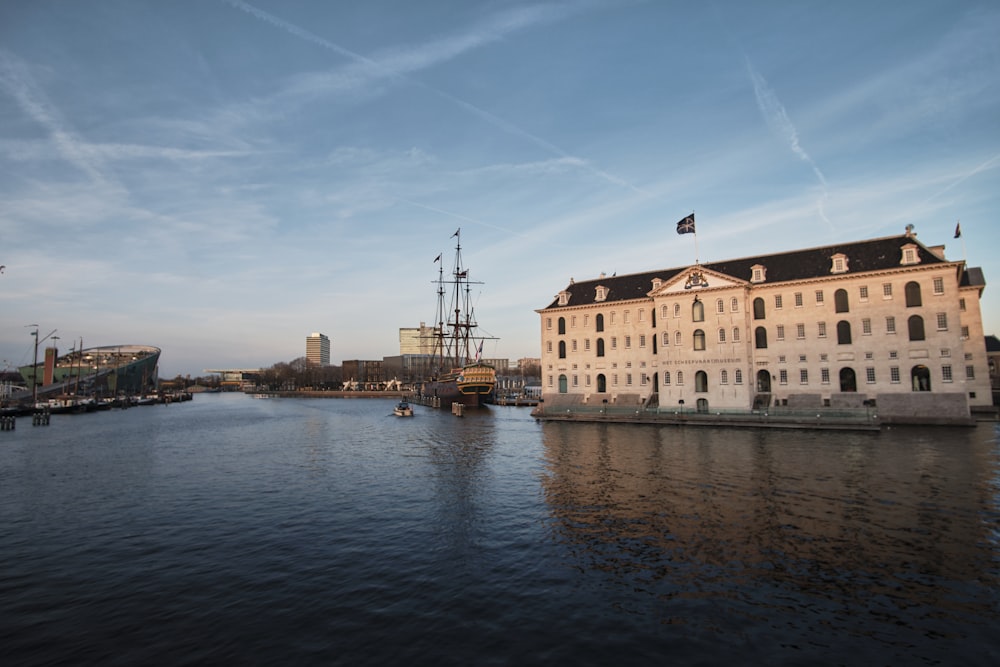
(283, 531)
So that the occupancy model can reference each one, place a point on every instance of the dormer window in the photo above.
(910, 255)
(563, 298)
(758, 273)
(839, 263)
(656, 283)
(600, 293)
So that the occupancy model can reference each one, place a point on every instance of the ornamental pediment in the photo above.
(693, 279)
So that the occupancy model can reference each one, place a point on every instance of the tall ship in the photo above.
(458, 372)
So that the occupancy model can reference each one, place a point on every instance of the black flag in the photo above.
(686, 226)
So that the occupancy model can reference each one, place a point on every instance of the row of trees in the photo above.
(297, 374)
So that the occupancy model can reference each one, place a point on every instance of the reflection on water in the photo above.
(835, 535)
(232, 530)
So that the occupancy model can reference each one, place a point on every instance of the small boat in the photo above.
(403, 409)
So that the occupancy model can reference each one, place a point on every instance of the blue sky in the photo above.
(220, 179)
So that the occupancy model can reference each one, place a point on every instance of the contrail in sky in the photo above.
(777, 118)
(508, 24)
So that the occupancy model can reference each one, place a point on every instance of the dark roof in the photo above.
(992, 343)
(872, 255)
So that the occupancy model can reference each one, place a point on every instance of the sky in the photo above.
(222, 178)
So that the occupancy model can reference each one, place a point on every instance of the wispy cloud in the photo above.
(401, 63)
(776, 117)
(16, 78)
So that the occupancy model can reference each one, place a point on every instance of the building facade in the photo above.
(832, 326)
(419, 340)
(318, 349)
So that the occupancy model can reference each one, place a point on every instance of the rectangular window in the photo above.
(628, 379)
(614, 379)
(870, 375)
(777, 302)
(625, 317)
(572, 322)
(886, 290)
(586, 345)
(890, 325)
(939, 285)
(628, 342)
(803, 376)
(781, 332)
(576, 381)
(894, 374)
(573, 343)
(824, 375)
(642, 314)
(548, 323)
(821, 329)
(970, 372)
(798, 299)
(864, 292)
(893, 354)
(783, 376)
(866, 327)
(800, 331)
(643, 379)
(965, 333)
(614, 342)
(942, 321)
(946, 373)
(642, 340)
(802, 358)
(819, 297)
(587, 379)
(961, 304)
(824, 357)
(548, 347)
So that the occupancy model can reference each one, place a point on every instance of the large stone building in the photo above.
(878, 320)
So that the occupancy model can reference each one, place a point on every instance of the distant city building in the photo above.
(418, 340)
(318, 349)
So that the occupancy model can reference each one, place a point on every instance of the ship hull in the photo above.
(473, 386)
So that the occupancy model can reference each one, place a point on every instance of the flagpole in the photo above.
(697, 255)
(958, 226)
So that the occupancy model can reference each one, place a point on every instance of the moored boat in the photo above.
(459, 375)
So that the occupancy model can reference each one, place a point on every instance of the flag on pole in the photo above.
(958, 230)
(686, 226)
(456, 232)
(438, 258)
(479, 352)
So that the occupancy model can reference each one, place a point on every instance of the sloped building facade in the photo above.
(836, 326)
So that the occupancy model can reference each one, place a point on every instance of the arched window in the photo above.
(758, 308)
(913, 294)
(724, 376)
(680, 377)
(736, 334)
(763, 381)
(663, 311)
(848, 381)
(760, 338)
(563, 384)
(734, 305)
(562, 325)
(677, 338)
(840, 301)
(666, 378)
(843, 332)
(722, 335)
(599, 321)
(600, 347)
(920, 376)
(677, 310)
(562, 349)
(666, 338)
(697, 310)
(699, 339)
(602, 383)
(701, 381)
(720, 307)
(916, 327)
